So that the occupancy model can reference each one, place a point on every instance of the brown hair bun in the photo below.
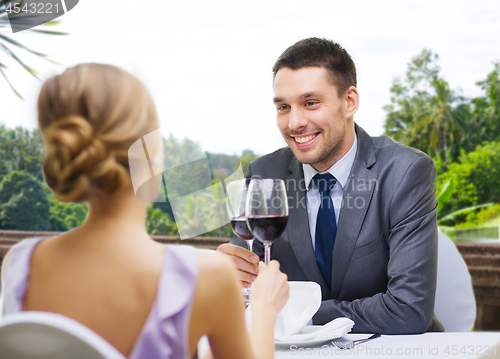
(89, 116)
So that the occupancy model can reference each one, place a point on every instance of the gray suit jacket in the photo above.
(385, 254)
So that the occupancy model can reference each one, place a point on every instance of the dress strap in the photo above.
(15, 277)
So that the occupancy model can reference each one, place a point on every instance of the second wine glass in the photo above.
(235, 201)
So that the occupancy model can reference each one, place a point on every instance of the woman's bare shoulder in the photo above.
(217, 275)
(215, 267)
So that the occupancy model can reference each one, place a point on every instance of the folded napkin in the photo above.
(303, 302)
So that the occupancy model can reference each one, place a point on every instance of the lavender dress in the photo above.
(166, 331)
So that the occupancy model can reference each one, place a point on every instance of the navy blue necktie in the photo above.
(326, 225)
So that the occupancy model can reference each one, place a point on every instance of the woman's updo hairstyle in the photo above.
(89, 117)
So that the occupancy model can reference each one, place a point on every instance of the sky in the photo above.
(208, 63)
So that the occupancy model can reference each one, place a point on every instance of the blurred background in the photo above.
(428, 76)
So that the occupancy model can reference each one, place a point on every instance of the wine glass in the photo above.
(267, 211)
(235, 203)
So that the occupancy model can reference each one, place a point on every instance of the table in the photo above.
(428, 345)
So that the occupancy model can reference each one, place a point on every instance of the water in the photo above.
(476, 235)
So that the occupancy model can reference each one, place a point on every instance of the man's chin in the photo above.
(303, 156)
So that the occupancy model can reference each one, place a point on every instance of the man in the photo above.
(368, 234)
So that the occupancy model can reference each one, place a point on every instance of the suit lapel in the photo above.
(355, 202)
(297, 229)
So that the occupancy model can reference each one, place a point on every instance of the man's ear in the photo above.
(352, 101)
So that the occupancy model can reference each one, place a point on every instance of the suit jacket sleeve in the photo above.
(407, 305)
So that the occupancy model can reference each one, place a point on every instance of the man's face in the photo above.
(312, 118)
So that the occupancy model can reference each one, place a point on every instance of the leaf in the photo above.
(52, 61)
(446, 192)
(464, 210)
(33, 70)
(12, 87)
(49, 32)
(4, 21)
(52, 23)
(8, 51)
(13, 42)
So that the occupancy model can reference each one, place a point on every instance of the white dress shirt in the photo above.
(340, 170)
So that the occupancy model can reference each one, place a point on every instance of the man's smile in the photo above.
(305, 140)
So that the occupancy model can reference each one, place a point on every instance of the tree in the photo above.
(23, 203)
(484, 121)
(158, 223)
(476, 178)
(21, 150)
(424, 112)
(66, 216)
(246, 157)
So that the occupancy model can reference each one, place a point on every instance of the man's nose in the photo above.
(297, 120)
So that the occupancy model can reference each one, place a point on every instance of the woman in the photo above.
(147, 300)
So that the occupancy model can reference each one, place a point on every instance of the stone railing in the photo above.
(9, 238)
(483, 261)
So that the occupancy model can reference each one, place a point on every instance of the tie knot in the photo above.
(324, 183)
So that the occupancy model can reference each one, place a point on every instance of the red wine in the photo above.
(240, 228)
(267, 228)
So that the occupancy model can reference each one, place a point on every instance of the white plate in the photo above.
(315, 341)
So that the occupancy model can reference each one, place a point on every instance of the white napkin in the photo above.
(334, 329)
(303, 302)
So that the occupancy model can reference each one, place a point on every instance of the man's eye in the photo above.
(282, 108)
(311, 103)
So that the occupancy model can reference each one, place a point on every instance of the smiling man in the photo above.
(362, 210)
(314, 120)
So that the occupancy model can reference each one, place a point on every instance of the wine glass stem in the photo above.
(267, 254)
(250, 244)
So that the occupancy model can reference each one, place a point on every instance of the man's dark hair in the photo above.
(323, 53)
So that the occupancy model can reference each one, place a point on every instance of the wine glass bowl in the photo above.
(235, 204)
(267, 211)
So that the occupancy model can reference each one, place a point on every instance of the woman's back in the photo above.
(132, 308)
(117, 283)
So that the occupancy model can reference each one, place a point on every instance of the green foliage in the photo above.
(445, 194)
(487, 215)
(476, 177)
(246, 157)
(222, 232)
(65, 216)
(21, 150)
(23, 203)
(22, 154)
(485, 112)
(474, 219)
(158, 223)
(424, 112)
(201, 171)
(458, 218)
(462, 135)
(186, 167)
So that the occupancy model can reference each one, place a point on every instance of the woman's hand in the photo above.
(270, 289)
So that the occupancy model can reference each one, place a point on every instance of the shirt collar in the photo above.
(340, 169)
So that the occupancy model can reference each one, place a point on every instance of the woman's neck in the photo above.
(120, 214)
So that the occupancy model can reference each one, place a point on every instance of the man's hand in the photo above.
(246, 262)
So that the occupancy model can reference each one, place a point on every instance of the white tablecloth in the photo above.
(429, 345)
